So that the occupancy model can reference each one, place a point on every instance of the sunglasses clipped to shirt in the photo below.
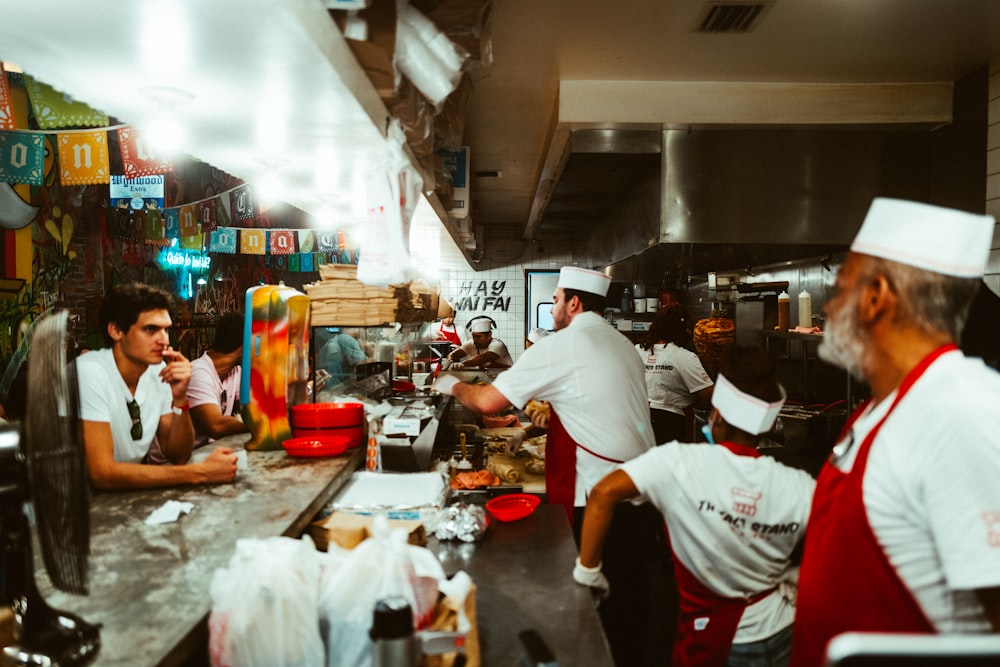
(133, 412)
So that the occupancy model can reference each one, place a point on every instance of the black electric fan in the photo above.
(43, 476)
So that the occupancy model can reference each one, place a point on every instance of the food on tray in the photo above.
(474, 480)
(535, 466)
(505, 471)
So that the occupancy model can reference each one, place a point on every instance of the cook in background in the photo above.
(214, 389)
(447, 330)
(675, 378)
(910, 495)
(340, 354)
(734, 517)
(483, 351)
(593, 381)
(134, 392)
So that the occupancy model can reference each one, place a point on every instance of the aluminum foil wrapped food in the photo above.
(461, 521)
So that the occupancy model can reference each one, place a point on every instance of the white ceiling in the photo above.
(272, 80)
(516, 113)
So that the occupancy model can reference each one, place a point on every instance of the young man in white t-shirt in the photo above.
(134, 392)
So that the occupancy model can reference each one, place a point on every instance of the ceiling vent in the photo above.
(733, 17)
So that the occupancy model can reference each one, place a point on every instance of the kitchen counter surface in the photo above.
(149, 585)
(523, 575)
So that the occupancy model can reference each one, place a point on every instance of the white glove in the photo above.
(456, 366)
(445, 364)
(592, 577)
(444, 384)
(515, 441)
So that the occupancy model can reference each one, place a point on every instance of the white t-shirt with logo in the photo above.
(673, 376)
(733, 521)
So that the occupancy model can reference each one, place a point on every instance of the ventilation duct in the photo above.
(732, 17)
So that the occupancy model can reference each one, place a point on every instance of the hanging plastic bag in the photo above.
(352, 582)
(265, 606)
(394, 188)
(425, 55)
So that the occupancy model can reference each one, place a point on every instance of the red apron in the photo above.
(846, 582)
(707, 622)
(560, 466)
(451, 336)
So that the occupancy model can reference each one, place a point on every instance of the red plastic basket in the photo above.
(512, 506)
(314, 447)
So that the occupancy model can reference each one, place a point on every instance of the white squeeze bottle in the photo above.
(805, 309)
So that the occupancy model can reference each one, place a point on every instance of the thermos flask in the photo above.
(393, 641)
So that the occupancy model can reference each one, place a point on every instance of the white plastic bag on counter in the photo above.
(265, 606)
(393, 188)
(384, 565)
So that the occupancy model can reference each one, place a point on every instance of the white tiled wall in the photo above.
(499, 292)
(992, 277)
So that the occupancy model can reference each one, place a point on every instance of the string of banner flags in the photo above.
(137, 195)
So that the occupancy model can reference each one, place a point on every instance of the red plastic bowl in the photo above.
(513, 506)
(326, 420)
(326, 415)
(313, 447)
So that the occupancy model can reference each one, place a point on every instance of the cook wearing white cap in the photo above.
(909, 496)
(734, 519)
(483, 351)
(535, 335)
(594, 382)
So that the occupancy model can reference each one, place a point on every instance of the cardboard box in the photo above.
(348, 530)
(397, 422)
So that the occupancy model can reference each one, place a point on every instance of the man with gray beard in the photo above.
(904, 534)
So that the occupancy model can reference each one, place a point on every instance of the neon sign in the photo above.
(174, 258)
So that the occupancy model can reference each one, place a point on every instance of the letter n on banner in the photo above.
(223, 240)
(253, 241)
(282, 241)
(188, 221)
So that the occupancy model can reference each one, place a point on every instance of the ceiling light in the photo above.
(164, 132)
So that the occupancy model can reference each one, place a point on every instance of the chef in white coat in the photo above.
(910, 497)
(734, 518)
(595, 384)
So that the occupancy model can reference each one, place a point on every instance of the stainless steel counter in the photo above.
(149, 585)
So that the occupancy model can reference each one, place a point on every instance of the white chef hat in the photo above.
(537, 334)
(933, 238)
(745, 412)
(584, 280)
(481, 326)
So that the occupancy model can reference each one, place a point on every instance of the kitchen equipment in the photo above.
(315, 447)
(513, 506)
(319, 420)
(43, 473)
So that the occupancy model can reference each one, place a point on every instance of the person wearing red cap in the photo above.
(599, 417)
(904, 535)
(734, 518)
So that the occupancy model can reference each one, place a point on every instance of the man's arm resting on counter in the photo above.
(613, 489)
(209, 418)
(483, 398)
(990, 599)
(175, 433)
(107, 474)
